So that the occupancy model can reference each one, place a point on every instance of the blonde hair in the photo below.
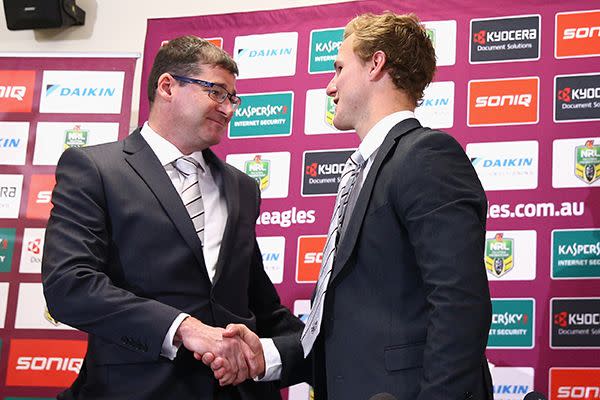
(409, 52)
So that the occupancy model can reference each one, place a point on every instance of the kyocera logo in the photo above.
(504, 100)
(567, 94)
(49, 364)
(484, 37)
(34, 246)
(62, 91)
(315, 169)
(13, 92)
(564, 319)
(578, 392)
(8, 192)
(583, 32)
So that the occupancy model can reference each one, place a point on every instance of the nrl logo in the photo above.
(259, 169)
(76, 137)
(49, 317)
(499, 255)
(329, 110)
(587, 162)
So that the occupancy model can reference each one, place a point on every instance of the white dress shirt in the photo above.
(215, 215)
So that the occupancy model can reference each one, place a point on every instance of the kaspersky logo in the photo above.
(264, 111)
(263, 114)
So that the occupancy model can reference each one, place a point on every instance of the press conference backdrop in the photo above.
(518, 84)
(46, 106)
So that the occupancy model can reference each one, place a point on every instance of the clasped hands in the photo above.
(234, 354)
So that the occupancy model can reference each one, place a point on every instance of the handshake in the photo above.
(234, 354)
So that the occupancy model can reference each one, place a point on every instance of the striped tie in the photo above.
(347, 183)
(190, 194)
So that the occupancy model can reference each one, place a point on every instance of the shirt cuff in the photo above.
(272, 361)
(169, 348)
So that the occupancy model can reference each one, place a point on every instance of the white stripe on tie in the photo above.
(190, 194)
(347, 183)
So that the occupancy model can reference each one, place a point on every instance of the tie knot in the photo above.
(186, 166)
(357, 158)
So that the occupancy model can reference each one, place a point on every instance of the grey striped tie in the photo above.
(347, 183)
(191, 194)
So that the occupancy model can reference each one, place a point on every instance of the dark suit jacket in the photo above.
(407, 310)
(122, 260)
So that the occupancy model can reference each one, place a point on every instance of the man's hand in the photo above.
(252, 352)
(202, 339)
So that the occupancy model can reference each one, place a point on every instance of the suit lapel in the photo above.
(231, 192)
(145, 163)
(348, 242)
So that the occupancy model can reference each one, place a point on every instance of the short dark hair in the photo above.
(409, 51)
(182, 55)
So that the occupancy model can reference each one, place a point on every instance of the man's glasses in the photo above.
(215, 92)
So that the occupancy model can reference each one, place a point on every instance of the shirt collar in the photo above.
(165, 150)
(379, 131)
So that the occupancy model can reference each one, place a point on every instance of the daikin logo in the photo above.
(436, 102)
(253, 53)
(9, 143)
(60, 90)
(501, 162)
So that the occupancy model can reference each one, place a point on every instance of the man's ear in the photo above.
(377, 65)
(165, 86)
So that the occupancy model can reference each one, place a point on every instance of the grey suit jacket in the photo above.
(122, 260)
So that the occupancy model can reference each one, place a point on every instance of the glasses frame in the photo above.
(233, 99)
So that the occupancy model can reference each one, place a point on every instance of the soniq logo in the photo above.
(577, 34)
(505, 39)
(322, 171)
(508, 101)
(577, 97)
(574, 383)
(15, 92)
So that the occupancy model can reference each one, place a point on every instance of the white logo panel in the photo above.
(31, 309)
(521, 255)
(443, 35)
(576, 163)
(13, 142)
(11, 187)
(512, 383)
(3, 302)
(52, 138)
(272, 249)
(271, 171)
(32, 251)
(89, 92)
(301, 391)
(437, 108)
(268, 55)
(505, 165)
(317, 119)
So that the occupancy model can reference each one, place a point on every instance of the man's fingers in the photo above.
(234, 330)
(207, 358)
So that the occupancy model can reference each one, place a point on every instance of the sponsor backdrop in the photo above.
(46, 106)
(519, 87)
